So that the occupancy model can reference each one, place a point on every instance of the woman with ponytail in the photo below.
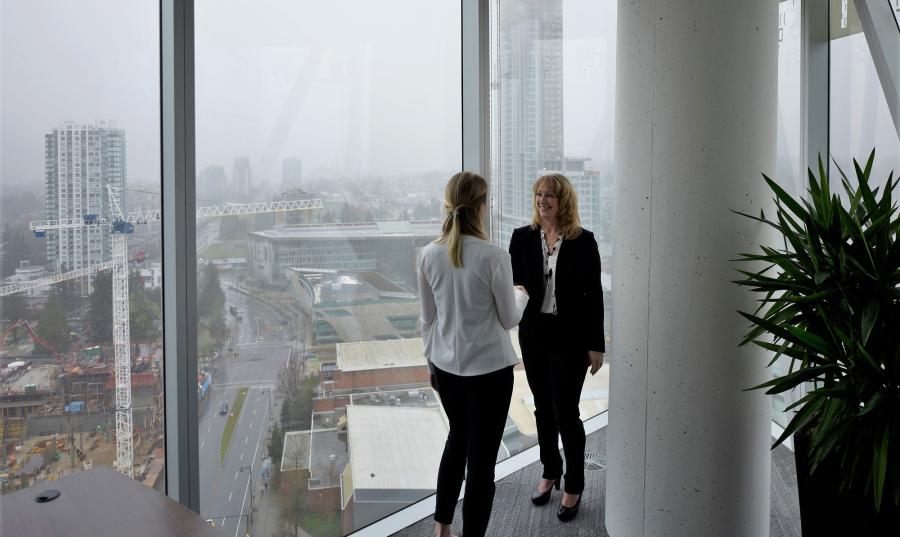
(469, 304)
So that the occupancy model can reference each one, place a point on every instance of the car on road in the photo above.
(223, 408)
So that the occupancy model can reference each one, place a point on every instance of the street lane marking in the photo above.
(247, 488)
(201, 444)
(251, 425)
(236, 474)
(208, 429)
(230, 494)
(242, 455)
(245, 440)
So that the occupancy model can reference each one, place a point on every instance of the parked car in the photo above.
(223, 408)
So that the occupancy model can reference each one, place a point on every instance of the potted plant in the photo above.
(830, 304)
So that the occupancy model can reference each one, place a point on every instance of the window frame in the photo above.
(178, 217)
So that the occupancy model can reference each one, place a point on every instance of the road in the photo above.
(224, 486)
(258, 323)
(258, 339)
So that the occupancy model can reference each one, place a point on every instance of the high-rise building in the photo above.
(242, 178)
(594, 187)
(530, 64)
(291, 173)
(81, 160)
(211, 185)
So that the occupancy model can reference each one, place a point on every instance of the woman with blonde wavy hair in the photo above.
(561, 333)
(469, 304)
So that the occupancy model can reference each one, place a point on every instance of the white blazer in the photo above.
(467, 311)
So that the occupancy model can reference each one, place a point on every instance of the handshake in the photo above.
(521, 298)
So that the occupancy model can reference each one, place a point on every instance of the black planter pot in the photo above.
(826, 511)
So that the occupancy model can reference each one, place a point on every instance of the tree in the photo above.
(232, 227)
(211, 297)
(421, 211)
(99, 322)
(263, 221)
(13, 307)
(276, 444)
(297, 408)
(20, 246)
(293, 500)
(346, 213)
(52, 324)
(218, 328)
(143, 313)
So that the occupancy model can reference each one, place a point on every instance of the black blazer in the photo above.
(579, 294)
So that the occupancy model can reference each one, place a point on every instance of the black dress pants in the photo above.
(556, 375)
(477, 408)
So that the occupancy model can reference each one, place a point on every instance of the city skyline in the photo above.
(260, 93)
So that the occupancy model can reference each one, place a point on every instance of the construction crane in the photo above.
(122, 225)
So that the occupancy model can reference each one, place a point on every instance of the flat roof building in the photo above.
(385, 247)
(394, 457)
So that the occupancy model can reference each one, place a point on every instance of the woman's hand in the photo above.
(596, 359)
(521, 288)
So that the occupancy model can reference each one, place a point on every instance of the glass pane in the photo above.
(859, 116)
(312, 382)
(79, 155)
(553, 69)
(790, 169)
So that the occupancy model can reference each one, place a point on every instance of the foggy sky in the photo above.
(352, 88)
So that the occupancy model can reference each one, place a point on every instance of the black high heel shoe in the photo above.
(565, 514)
(540, 498)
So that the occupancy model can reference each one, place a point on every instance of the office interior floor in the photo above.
(513, 514)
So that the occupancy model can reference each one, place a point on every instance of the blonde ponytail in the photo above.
(463, 197)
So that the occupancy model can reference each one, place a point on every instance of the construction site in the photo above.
(99, 404)
(58, 416)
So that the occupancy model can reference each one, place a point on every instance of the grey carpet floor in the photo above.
(513, 514)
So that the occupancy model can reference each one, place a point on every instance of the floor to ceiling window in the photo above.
(325, 133)
(790, 165)
(859, 117)
(552, 101)
(80, 277)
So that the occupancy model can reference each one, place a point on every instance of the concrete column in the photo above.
(688, 451)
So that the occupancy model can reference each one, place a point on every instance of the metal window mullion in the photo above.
(475, 86)
(179, 251)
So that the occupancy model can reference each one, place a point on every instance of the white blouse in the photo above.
(467, 311)
(551, 253)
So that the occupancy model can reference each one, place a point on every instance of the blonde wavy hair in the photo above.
(567, 217)
(463, 197)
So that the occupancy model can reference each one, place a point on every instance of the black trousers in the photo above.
(556, 376)
(477, 408)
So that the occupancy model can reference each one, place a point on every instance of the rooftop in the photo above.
(322, 451)
(41, 377)
(367, 355)
(361, 230)
(395, 448)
